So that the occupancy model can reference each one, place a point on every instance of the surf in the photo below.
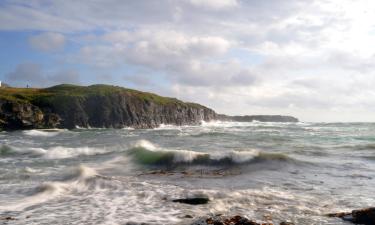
(146, 153)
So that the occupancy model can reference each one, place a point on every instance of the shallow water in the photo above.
(292, 171)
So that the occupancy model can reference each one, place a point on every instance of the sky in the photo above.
(313, 59)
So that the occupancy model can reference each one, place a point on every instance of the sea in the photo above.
(264, 171)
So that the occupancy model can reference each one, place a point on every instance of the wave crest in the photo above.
(144, 152)
(57, 152)
(43, 133)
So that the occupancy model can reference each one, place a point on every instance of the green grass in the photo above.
(65, 91)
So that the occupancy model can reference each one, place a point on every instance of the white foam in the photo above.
(185, 155)
(146, 144)
(226, 124)
(243, 156)
(168, 127)
(128, 128)
(188, 156)
(59, 152)
(50, 190)
(31, 170)
(41, 133)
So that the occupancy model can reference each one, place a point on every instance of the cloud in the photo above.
(33, 75)
(271, 56)
(47, 42)
(19, 15)
(215, 4)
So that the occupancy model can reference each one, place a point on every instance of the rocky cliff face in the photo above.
(23, 115)
(95, 106)
(104, 106)
(123, 110)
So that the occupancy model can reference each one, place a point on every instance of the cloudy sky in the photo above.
(313, 59)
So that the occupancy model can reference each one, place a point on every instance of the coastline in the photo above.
(104, 106)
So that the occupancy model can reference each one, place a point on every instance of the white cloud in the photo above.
(215, 4)
(271, 56)
(47, 41)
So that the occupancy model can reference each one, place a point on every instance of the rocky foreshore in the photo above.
(362, 216)
(232, 220)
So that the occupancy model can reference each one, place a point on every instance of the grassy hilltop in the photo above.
(37, 94)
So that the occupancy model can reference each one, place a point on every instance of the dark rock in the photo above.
(69, 106)
(8, 218)
(222, 220)
(286, 223)
(193, 201)
(362, 216)
(23, 115)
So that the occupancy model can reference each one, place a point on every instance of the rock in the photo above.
(103, 106)
(23, 115)
(286, 223)
(8, 218)
(193, 201)
(363, 216)
(222, 220)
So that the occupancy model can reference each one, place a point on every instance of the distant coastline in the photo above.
(104, 106)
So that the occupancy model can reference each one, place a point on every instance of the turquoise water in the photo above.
(291, 171)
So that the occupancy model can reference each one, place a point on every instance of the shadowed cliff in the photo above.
(103, 106)
(69, 106)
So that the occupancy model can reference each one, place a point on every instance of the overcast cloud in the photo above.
(313, 59)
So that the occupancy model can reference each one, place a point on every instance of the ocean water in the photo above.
(284, 171)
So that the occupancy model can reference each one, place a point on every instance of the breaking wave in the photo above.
(42, 133)
(57, 152)
(79, 180)
(144, 152)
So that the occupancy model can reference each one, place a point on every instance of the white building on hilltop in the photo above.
(0, 83)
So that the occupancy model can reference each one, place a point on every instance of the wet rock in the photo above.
(8, 218)
(193, 201)
(363, 216)
(222, 220)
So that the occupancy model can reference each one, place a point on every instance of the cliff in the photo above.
(69, 106)
(260, 118)
(104, 106)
